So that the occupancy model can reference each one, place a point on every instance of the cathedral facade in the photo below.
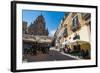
(38, 27)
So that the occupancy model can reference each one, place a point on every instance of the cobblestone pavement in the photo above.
(51, 56)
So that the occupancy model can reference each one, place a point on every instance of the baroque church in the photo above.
(38, 27)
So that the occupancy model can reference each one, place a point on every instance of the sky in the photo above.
(52, 19)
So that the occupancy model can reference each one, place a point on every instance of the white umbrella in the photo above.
(65, 43)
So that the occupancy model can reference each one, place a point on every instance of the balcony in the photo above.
(86, 16)
(75, 24)
(65, 33)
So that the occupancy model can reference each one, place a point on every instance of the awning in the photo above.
(75, 42)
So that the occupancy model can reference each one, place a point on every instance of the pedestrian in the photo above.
(34, 50)
(66, 49)
(69, 50)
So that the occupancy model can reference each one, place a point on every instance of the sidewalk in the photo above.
(70, 56)
(65, 54)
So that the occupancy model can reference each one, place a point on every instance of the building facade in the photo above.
(24, 27)
(38, 27)
(74, 26)
(35, 36)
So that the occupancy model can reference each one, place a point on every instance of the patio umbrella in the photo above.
(65, 43)
(29, 40)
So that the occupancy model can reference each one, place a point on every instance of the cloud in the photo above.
(52, 32)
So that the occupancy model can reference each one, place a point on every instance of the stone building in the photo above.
(24, 27)
(74, 26)
(38, 27)
(35, 36)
